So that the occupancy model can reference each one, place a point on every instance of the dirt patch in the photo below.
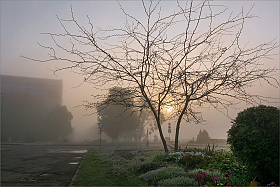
(148, 152)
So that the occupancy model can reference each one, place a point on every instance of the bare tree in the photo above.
(184, 59)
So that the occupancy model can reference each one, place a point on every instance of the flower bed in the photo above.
(210, 168)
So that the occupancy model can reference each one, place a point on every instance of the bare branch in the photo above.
(183, 59)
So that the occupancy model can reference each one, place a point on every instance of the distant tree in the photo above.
(21, 118)
(203, 136)
(58, 123)
(156, 140)
(147, 121)
(254, 138)
(117, 114)
(184, 57)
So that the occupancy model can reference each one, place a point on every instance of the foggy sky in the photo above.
(22, 23)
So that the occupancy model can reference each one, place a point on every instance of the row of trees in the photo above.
(184, 58)
(26, 119)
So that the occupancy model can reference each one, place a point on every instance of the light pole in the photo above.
(147, 136)
(2, 105)
(100, 126)
(169, 129)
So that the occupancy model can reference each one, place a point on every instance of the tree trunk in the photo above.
(157, 117)
(162, 137)
(177, 133)
(178, 126)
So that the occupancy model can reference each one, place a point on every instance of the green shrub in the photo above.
(224, 163)
(148, 167)
(193, 161)
(157, 161)
(219, 160)
(191, 173)
(215, 173)
(254, 138)
(178, 181)
(154, 176)
(160, 157)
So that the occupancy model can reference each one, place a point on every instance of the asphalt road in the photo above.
(40, 164)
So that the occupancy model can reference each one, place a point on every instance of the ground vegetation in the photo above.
(154, 167)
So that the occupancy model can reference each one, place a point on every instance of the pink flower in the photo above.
(271, 184)
(229, 173)
(216, 179)
(196, 177)
(200, 175)
(211, 170)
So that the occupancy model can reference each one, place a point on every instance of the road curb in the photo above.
(75, 175)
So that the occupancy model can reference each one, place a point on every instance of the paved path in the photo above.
(40, 165)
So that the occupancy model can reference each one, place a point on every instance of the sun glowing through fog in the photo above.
(169, 108)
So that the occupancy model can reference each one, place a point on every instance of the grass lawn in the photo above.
(99, 169)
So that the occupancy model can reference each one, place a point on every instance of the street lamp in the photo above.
(147, 136)
(100, 126)
(2, 104)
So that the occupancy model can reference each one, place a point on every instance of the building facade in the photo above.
(48, 91)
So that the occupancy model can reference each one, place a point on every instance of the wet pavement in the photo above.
(40, 165)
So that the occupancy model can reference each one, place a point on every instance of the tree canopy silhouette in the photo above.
(117, 114)
(58, 123)
(203, 136)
